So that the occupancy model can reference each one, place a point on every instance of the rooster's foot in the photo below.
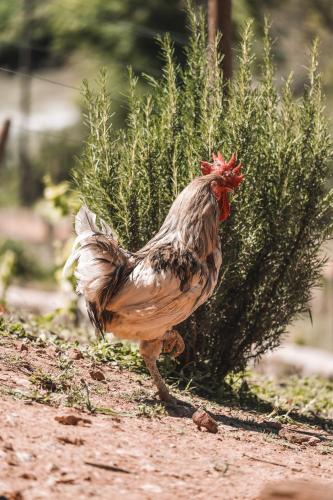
(167, 398)
(173, 343)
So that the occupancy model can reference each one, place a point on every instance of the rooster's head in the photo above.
(230, 178)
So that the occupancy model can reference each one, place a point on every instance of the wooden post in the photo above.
(219, 19)
(26, 186)
(212, 16)
(3, 139)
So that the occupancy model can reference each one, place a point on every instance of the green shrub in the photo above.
(24, 265)
(280, 216)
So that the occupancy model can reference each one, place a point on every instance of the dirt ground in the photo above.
(140, 450)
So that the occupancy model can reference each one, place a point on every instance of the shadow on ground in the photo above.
(245, 399)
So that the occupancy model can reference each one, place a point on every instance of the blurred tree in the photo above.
(123, 30)
(219, 19)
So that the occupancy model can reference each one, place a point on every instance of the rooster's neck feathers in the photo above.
(192, 222)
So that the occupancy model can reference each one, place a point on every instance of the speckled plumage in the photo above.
(141, 296)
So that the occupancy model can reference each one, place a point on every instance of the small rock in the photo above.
(23, 348)
(202, 419)
(75, 354)
(294, 437)
(314, 441)
(97, 375)
(13, 495)
(273, 424)
(72, 420)
(53, 351)
(52, 468)
(12, 460)
(29, 476)
(296, 489)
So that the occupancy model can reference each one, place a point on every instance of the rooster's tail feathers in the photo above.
(85, 228)
(101, 263)
(85, 220)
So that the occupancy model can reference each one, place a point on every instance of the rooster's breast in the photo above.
(159, 295)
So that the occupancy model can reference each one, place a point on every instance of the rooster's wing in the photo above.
(151, 301)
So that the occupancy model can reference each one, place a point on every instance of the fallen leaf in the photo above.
(40, 352)
(28, 475)
(297, 437)
(66, 480)
(68, 440)
(72, 420)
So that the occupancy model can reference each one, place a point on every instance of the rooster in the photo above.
(141, 296)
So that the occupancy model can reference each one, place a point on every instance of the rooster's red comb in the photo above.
(230, 169)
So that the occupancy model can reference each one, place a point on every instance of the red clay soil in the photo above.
(134, 455)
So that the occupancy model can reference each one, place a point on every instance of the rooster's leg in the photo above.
(173, 343)
(150, 351)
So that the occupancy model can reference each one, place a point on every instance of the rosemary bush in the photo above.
(280, 216)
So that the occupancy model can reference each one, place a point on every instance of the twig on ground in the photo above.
(271, 463)
(112, 468)
(89, 406)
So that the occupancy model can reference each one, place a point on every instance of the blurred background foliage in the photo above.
(125, 31)
(74, 39)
